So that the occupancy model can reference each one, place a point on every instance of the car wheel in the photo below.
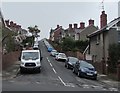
(21, 70)
(38, 70)
(95, 78)
(67, 66)
(78, 74)
(73, 70)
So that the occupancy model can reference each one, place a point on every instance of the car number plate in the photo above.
(89, 74)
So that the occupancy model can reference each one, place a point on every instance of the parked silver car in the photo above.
(61, 56)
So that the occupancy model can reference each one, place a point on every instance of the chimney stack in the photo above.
(91, 22)
(7, 22)
(70, 26)
(58, 26)
(82, 25)
(103, 19)
(75, 26)
(14, 25)
(11, 24)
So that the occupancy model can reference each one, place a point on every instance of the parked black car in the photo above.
(85, 69)
(70, 62)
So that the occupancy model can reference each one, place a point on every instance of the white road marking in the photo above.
(48, 60)
(85, 86)
(51, 65)
(54, 70)
(113, 89)
(62, 81)
(56, 73)
(70, 85)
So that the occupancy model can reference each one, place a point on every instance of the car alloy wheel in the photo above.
(73, 70)
(67, 66)
(78, 74)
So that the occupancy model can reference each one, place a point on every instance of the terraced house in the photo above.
(73, 31)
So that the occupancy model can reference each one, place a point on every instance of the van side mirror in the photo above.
(41, 58)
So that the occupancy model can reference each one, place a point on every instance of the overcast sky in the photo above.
(47, 15)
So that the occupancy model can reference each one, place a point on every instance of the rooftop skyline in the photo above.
(47, 15)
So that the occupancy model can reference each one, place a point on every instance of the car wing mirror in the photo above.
(19, 58)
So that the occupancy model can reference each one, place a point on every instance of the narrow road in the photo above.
(53, 77)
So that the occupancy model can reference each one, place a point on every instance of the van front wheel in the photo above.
(39, 70)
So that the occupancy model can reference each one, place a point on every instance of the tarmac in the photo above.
(13, 71)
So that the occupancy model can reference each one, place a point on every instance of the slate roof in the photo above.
(105, 28)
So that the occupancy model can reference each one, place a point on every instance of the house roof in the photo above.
(56, 29)
(90, 28)
(105, 28)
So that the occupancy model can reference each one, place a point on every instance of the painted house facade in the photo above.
(101, 39)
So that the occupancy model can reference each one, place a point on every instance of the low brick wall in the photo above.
(9, 59)
(97, 65)
(75, 54)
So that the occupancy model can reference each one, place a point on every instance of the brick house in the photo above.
(56, 34)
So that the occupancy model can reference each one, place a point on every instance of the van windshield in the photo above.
(30, 55)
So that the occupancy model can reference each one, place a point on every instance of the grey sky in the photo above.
(48, 14)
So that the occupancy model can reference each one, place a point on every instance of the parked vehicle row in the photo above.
(36, 45)
(70, 62)
(80, 67)
(61, 56)
(48, 46)
(54, 53)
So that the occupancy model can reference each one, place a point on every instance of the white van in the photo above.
(30, 60)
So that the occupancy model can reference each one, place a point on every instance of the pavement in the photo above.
(12, 72)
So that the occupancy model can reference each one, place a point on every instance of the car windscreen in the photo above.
(30, 55)
(72, 59)
(62, 55)
(85, 64)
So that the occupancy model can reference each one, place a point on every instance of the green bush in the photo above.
(68, 44)
(8, 40)
(114, 54)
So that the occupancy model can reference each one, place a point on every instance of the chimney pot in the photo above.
(57, 26)
(7, 22)
(70, 26)
(82, 25)
(75, 25)
(91, 22)
(11, 23)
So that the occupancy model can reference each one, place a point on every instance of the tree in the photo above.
(81, 45)
(8, 40)
(34, 30)
(68, 44)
